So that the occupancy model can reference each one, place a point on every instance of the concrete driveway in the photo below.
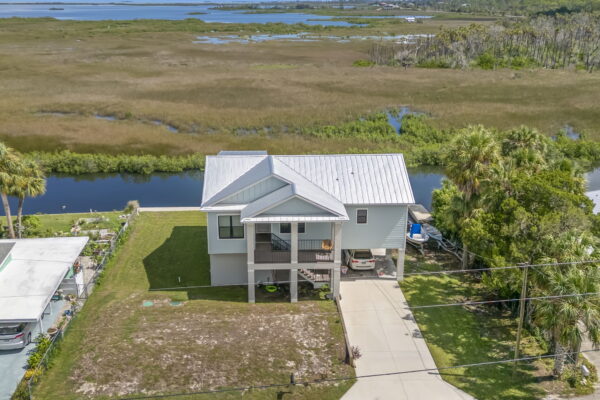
(389, 341)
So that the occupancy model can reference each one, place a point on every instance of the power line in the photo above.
(347, 378)
(458, 271)
(470, 303)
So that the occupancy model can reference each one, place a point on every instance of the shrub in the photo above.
(363, 63)
(486, 61)
(43, 343)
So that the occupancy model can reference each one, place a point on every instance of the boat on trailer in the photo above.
(417, 235)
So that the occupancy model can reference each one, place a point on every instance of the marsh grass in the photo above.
(244, 96)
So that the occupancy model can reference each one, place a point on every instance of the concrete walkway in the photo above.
(163, 209)
(389, 341)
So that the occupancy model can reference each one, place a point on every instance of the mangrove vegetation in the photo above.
(555, 42)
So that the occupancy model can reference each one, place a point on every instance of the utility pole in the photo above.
(521, 311)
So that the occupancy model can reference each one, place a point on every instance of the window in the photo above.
(287, 228)
(361, 216)
(230, 227)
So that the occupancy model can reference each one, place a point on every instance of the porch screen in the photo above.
(230, 227)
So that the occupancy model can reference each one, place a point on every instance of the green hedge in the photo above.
(76, 163)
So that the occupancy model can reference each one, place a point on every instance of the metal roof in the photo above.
(34, 273)
(305, 192)
(5, 248)
(594, 195)
(294, 218)
(325, 179)
(243, 153)
(357, 178)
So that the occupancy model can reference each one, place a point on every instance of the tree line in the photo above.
(19, 177)
(515, 198)
(557, 42)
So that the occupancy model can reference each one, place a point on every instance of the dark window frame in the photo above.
(301, 227)
(230, 231)
(362, 219)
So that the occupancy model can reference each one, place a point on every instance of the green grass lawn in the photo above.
(457, 336)
(213, 339)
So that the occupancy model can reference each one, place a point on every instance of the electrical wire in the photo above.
(348, 378)
(470, 303)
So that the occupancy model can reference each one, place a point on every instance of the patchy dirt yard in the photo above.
(196, 346)
(129, 340)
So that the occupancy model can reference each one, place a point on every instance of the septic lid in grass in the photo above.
(148, 303)
(176, 303)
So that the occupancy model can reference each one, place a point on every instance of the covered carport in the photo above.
(31, 271)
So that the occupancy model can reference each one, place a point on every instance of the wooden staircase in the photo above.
(314, 276)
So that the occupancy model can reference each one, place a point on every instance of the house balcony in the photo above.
(278, 251)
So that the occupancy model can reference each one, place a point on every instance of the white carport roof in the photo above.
(34, 272)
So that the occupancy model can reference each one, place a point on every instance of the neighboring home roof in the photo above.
(327, 180)
(594, 195)
(5, 248)
(33, 274)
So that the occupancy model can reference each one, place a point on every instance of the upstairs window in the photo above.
(230, 227)
(361, 216)
(287, 228)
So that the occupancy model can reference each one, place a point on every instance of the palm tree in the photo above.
(470, 163)
(9, 167)
(528, 149)
(30, 182)
(567, 320)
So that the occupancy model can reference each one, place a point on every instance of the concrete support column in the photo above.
(336, 281)
(337, 259)
(337, 243)
(400, 265)
(250, 241)
(401, 252)
(251, 285)
(294, 240)
(294, 285)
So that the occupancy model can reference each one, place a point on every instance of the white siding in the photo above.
(320, 230)
(385, 228)
(254, 192)
(222, 246)
(295, 206)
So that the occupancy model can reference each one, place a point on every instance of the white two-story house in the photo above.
(271, 218)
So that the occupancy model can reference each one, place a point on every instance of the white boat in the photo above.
(417, 235)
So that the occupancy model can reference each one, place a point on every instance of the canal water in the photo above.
(107, 192)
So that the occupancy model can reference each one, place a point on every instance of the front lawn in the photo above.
(194, 339)
(459, 335)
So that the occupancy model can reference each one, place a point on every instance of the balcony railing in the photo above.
(272, 256)
(278, 251)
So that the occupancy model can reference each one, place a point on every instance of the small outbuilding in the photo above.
(31, 272)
